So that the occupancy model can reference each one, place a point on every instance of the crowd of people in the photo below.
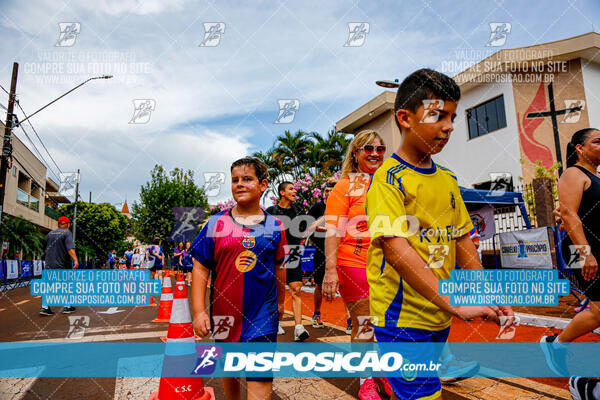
(153, 258)
(381, 273)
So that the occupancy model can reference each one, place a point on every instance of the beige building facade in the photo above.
(29, 193)
(504, 120)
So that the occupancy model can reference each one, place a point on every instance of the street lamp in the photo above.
(60, 97)
(389, 84)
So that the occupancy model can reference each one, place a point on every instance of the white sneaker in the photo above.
(280, 330)
(300, 334)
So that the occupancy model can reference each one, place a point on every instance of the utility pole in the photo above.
(7, 142)
(90, 202)
(75, 209)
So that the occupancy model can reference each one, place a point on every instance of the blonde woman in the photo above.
(348, 240)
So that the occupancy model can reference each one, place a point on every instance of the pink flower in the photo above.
(305, 203)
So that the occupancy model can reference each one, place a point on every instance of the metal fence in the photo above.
(510, 219)
(505, 220)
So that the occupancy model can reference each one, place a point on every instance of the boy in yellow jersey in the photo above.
(419, 227)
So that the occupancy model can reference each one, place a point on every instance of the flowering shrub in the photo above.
(309, 190)
(224, 205)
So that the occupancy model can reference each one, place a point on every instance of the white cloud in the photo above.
(206, 98)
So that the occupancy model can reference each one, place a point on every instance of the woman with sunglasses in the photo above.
(348, 240)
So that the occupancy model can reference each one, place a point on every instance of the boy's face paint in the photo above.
(431, 132)
(245, 187)
(369, 162)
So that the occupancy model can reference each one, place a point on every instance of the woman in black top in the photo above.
(579, 198)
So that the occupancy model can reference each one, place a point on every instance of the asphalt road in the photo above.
(19, 313)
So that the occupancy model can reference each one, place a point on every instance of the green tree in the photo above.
(100, 228)
(293, 155)
(290, 152)
(21, 235)
(153, 215)
(274, 168)
(326, 155)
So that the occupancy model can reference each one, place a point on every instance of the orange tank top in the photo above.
(345, 212)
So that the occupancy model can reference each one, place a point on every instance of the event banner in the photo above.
(37, 267)
(483, 219)
(12, 269)
(25, 268)
(526, 249)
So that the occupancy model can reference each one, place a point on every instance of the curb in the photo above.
(546, 322)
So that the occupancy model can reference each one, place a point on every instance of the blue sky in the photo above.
(216, 104)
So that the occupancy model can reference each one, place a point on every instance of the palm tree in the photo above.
(21, 234)
(273, 166)
(290, 152)
(328, 153)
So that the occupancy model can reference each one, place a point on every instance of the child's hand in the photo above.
(201, 324)
(471, 312)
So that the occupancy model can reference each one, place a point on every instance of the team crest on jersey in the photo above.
(408, 375)
(245, 261)
(248, 241)
(452, 200)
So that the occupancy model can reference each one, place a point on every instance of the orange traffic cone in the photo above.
(152, 303)
(180, 279)
(166, 301)
(181, 330)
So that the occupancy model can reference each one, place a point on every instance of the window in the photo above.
(34, 203)
(36, 194)
(14, 171)
(486, 117)
(22, 197)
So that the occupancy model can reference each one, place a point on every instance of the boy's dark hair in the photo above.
(156, 240)
(282, 186)
(421, 85)
(578, 137)
(260, 168)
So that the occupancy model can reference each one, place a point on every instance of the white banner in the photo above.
(483, 219)
(526, 249)
(12, 269)
(68, 180)
(37, 267)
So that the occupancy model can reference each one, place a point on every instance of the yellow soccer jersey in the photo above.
(425, 206)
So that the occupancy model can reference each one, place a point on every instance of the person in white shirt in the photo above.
(136, 259)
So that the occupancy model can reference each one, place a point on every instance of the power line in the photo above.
(38, 136)
(39, 153)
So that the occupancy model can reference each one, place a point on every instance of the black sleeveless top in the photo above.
(589, 212)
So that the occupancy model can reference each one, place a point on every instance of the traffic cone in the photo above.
(180, 279)
(166, 301)
(181, 330)
(152, 303)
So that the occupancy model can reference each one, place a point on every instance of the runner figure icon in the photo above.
(208, 356)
